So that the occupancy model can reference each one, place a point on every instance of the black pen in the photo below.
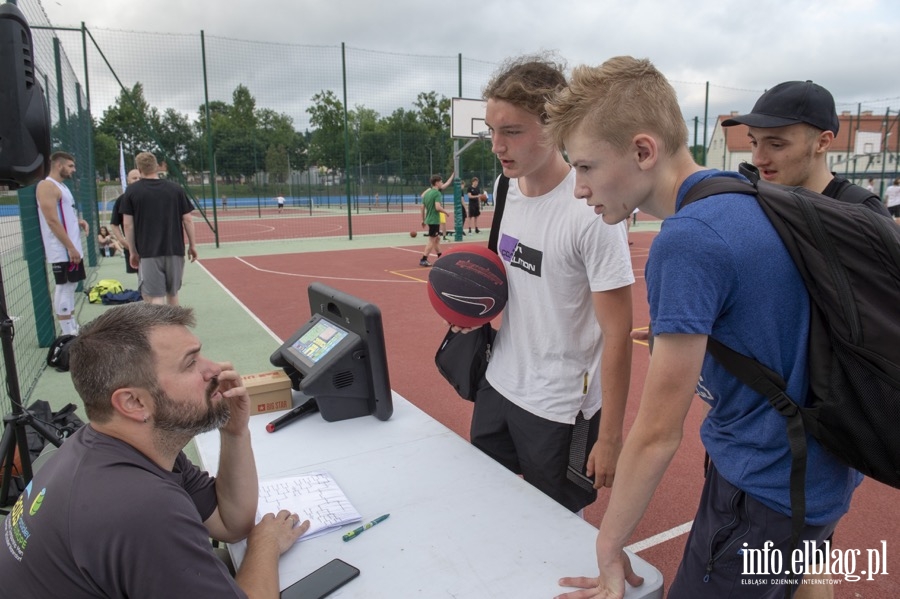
(302, 410)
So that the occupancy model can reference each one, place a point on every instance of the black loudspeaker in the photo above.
(24, 123)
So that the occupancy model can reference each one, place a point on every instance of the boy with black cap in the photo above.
(791, 129)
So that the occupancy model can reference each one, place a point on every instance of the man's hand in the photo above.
(134, 259)
(74, 256)
(192, 253)
(609, 585)
(601, 463)
(84, 226)
(232, 389)
(279, 530)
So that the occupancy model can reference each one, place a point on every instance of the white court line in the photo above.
(662, 537)
(242, 305)
(318, 277)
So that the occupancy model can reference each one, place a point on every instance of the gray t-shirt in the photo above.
(102, 520)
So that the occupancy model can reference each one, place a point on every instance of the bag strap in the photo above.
(768, 383)
(755, 375)
(499, 204)
(854, 194)
(715, 186)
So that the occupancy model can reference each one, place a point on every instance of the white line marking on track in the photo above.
(319, 277)
(662, 537)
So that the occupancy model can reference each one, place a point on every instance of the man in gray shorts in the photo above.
(155, 212)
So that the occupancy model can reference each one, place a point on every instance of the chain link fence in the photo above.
(348, 137)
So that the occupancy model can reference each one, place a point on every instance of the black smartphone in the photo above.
(322, 582)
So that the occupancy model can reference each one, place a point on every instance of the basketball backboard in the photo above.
(467, 118)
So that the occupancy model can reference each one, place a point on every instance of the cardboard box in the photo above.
(269, 391)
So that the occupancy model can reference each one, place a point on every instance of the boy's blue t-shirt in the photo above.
(719, 268)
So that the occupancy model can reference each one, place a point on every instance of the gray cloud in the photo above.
(739, 48)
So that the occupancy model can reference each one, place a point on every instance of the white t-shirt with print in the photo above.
(557, 252)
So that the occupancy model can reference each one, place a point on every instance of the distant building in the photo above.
(866, 146)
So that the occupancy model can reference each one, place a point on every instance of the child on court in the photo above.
(717, 268)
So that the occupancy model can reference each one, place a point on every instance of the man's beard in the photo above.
(174, 419)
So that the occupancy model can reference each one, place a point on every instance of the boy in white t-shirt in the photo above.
(563, 345)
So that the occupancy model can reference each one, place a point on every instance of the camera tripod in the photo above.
(15, 423)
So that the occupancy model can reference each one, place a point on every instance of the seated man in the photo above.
(119, 511)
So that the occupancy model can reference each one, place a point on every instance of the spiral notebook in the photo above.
(314, 496)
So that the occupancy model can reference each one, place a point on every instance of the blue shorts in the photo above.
(713, 563)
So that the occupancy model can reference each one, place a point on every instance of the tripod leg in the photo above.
(8, 451)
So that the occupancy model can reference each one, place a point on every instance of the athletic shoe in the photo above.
(477, 230)
(424, 262)
(470, 229)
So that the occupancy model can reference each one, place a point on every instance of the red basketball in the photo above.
(467, 286)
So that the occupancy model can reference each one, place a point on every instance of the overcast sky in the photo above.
(849, 47)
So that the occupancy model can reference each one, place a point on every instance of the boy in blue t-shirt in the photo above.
(717, 268)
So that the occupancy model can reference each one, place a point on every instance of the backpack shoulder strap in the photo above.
(715, 186)
(769, 384)
(854, 194)
(499, 204)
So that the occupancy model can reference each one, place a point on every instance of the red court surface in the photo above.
(391, 278)
(250, 224)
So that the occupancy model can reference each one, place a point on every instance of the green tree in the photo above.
(277, 163)
(130, 120)
(176, 136)
(326, 144)
(434, 114)
(106, 155)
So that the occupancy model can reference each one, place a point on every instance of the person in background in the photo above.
(432, 211)
(108, 244)
(60, 233)
(157, 217)
(892, 199)
(474, 194)
(116, 221)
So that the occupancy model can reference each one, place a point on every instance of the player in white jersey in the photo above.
(62, 238)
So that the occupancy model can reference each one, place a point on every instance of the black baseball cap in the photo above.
(790, 103)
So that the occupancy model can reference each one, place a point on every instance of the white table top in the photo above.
(461, 525)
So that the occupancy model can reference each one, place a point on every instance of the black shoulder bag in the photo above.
(462, 358)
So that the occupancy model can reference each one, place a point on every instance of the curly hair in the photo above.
(527, 82)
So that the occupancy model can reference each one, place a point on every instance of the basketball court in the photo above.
(389, 277)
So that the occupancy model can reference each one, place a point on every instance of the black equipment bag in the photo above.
(849, 258)
(462, 358)
(58, 354)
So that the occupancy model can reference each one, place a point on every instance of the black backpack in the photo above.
(849, 258)
(58, 354)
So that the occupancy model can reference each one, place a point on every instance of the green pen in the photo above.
(358, 531)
